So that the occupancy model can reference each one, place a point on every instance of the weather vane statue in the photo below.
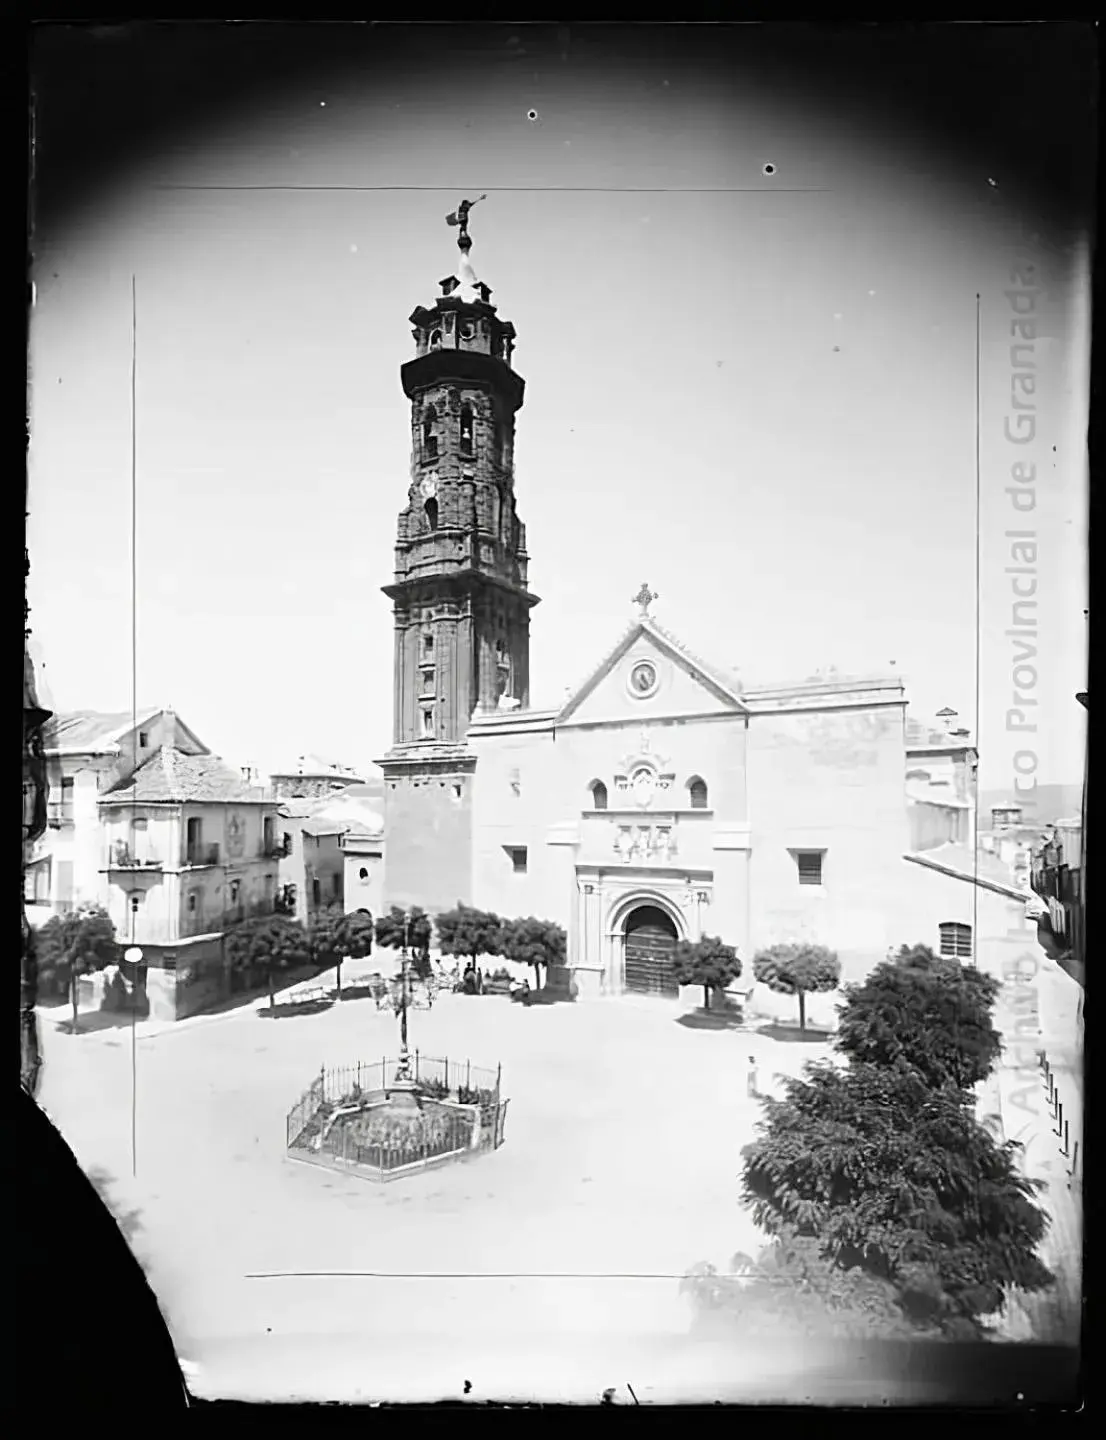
(460, 217)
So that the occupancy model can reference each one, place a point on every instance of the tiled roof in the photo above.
(728, 681)
(957, 860)
(91, 730)
(175, 777)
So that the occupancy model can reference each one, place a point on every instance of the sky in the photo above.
(755, 391)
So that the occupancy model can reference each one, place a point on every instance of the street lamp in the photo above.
(403, 1070)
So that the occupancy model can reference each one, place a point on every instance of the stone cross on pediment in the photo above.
(644, 598)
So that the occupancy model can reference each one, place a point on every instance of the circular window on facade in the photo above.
(643, 678)
(468, 330)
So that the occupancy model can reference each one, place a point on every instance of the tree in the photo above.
(335, 936)
(469, 933)
(393, 932)
(530, 941)
(926, 1011)
(900, 1181)
(73, 945)
(797, 969)
(706, 962)
(269, 942)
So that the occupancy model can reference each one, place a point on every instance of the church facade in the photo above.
(663, 800)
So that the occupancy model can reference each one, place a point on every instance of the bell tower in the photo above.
(460, 597)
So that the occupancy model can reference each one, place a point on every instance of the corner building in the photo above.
(664, 799)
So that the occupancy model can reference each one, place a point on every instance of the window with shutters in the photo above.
(809, 863)
(697, 793)
(956, 940)
(598, 795)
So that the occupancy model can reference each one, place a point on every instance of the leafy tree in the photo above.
(469, 933)
(269, 943)
(392, 932)
(530, 941)
(72, 945)
(706, 962)
(926, 1011)
(797, 969)
(900, 1181)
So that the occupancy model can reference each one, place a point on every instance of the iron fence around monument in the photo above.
(442, 1078)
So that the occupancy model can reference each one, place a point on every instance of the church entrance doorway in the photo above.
(650, 952)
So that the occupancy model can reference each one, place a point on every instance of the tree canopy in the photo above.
(73, 944)
(901, 1181)
(391, 931)
(707, 962)
(530, 941)
(797, 969)
(926, 1011)
(271, 941)
(469, 933)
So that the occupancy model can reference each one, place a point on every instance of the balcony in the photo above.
(197, 855)
(58, 813)
(273, 850)
(121, 857)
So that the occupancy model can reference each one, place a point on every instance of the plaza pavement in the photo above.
(551, 1264)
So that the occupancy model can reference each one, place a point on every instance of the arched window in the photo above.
(429, 439)
(435, 340)
(431, 508)
(956, 940)
(466, 429)
(598, 795)
(697, 793)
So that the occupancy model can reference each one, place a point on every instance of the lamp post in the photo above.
(403, 1070)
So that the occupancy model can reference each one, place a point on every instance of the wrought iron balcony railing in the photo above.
(120, 857)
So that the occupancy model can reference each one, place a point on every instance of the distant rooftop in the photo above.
(313, 767)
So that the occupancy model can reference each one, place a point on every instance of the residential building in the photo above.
(187, 849)
(87, 753)
(327, 843)
(312, 866)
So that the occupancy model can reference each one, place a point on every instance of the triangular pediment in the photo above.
(649, 675)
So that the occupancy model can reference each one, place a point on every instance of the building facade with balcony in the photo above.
(312, 867)
(188, 849)
(87, 754)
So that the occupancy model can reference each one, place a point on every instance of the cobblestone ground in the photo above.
(550, 1267)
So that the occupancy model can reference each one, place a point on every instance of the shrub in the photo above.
(797, 969)
(706, 962)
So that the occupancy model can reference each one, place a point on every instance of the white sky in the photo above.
(762, 403)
